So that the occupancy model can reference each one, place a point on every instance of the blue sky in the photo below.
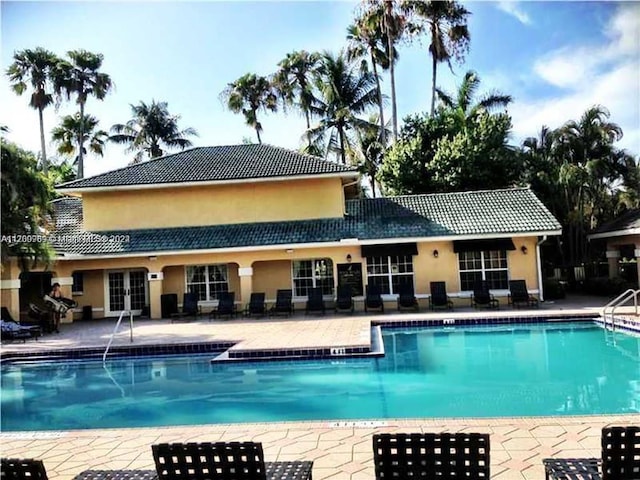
(555, 58)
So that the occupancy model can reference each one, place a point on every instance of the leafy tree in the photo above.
(151, 131)
(61, 171)
(368, 151)
(434, 154)
(80, 75)
(249, 95)
(23, 214)
(344, 91)
(445, 22)
(35, 68)
(293, 82)
(73, 133)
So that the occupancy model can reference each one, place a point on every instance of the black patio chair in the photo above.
(14, 331)
(406, 298)
(439, 297)
(482, 296)
(226, 305)
(315, 301)
(431, 455)
(344, 299)
(373, 299)
(22, 469)
(223, 461)
(256, 305)
(519, 295)
(284, 303)
(190, 307)
(620, 459)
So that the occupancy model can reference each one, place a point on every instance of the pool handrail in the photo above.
(115, 330)
(618, 302)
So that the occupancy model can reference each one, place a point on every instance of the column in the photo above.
(246, 283)
(155, 291)
(10, 291)
(612, 258)
(65, 289)
(637, 255)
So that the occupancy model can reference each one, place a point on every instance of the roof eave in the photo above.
(149, 186)
(614, 233)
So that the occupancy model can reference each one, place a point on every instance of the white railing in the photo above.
(619, 301)
(115, 330)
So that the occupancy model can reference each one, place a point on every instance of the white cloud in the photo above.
(512, 8)
(606, 74)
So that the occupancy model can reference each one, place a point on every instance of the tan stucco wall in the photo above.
(213, 205)
(93, 292)
(174, 280)
(268, 277)
(523, 266)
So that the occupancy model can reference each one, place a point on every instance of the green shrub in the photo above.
(553, 289)
(606, 287)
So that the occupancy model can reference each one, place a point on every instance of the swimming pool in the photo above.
(514, 370)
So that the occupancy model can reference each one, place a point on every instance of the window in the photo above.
(309, 274)
(208, 281)
(78, 283)
(389, 273)
(490, 266)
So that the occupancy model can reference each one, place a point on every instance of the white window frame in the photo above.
(314, 278)
(483, 270)
(206, 283)
(390, 273)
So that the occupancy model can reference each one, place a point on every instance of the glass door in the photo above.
(126, 290)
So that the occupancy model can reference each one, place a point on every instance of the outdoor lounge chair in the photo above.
(373, 299)
(482, 296)
(256, 305)
(439, 297)
(284, 303)
(620, 458)
(519, 295)
(190, 307)
(344, 299)
(431, 455)
(223, 461)
(226, 305)
(315, 301)
(406, 298)
(22, 469)
(14, 331)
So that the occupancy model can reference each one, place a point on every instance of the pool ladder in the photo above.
(619, 301)
(115, 330)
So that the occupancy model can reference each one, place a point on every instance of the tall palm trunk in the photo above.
(258, 134)
(343, 154)
(434, 71)
(373, 186)
(392, 74)
(80, 137)
(42, 141)
(307, 116)
(383, 135)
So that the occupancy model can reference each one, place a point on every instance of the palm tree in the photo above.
(151, 130)
(365, 37)
(74, 132)
(80, 76)
(293, 82)
(248, 95)
(465, 105)
(446, 23)
(35, 67)
(344, 91)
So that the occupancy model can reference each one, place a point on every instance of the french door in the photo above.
(125, 290)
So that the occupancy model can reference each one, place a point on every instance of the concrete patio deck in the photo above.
(341, 450)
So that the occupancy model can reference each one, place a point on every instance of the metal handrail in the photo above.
(115, 330)
(618, 302)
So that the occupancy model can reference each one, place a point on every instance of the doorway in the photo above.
(125, 290)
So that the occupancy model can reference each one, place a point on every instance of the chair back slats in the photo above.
(438, 293)
(315, 300)
(209, 461)
(344, 300)
(22, 469)
(226, 303)
(284, 299)
(621, 453)
(190, 303)
(518, 290)
(429, 455)
(256, 303)
(481, 293)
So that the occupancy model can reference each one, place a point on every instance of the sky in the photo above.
(556, 59)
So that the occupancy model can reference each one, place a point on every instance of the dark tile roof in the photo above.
(513, 211)
(210, 164)
(627, 221)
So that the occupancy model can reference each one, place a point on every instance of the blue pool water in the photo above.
(559, 369)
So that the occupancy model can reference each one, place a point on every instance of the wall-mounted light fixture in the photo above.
(523, 249)
(289, 250)
(348, 258)
(435, 253)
